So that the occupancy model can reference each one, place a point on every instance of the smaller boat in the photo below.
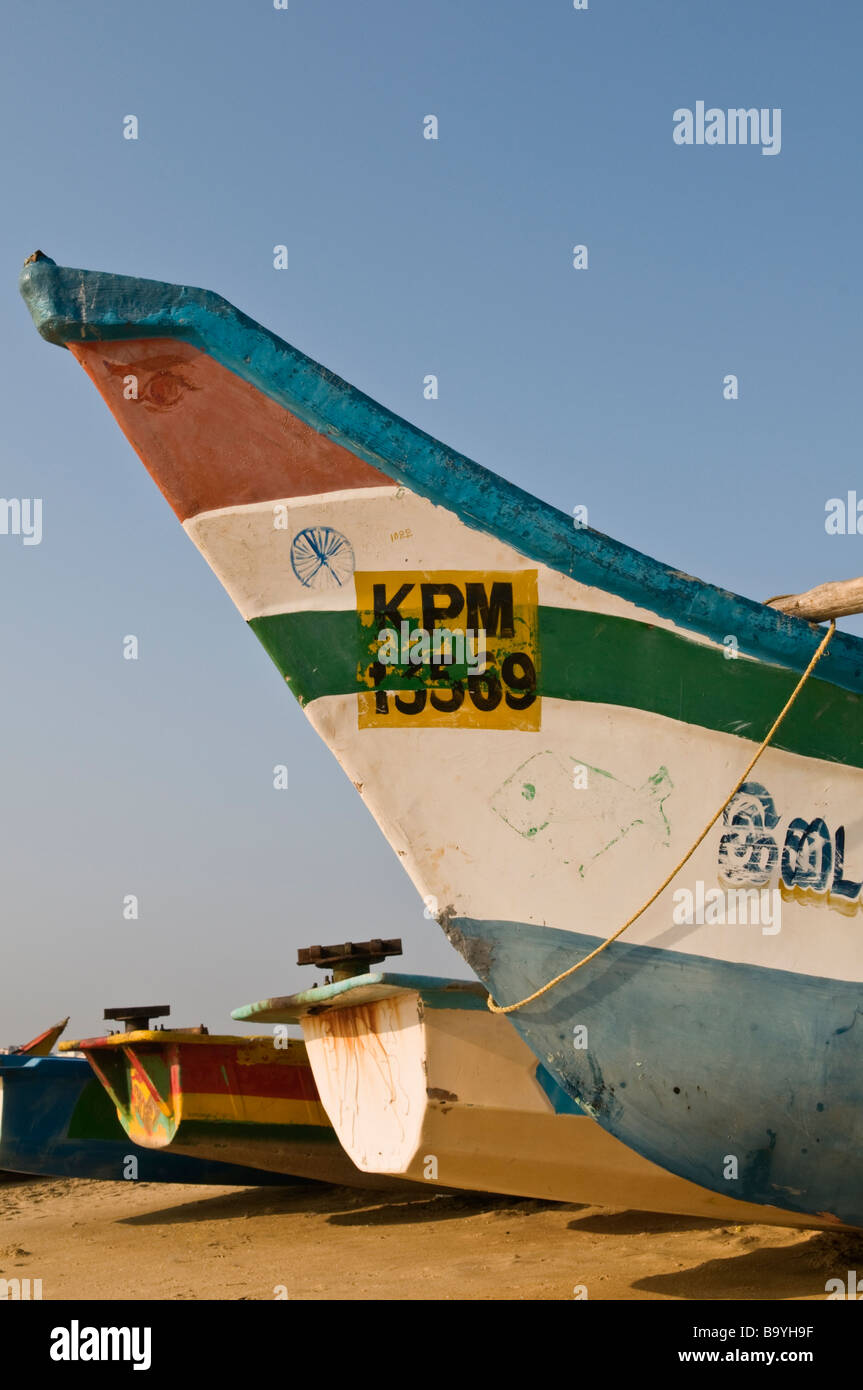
(57, 1122)
(237, 1100)
(422, 1082)
(41, 1045)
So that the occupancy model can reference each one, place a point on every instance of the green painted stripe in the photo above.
(94, 1116)
(204, 1132)
(315, 652)
(606, 660)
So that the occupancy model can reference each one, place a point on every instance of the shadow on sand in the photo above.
(637, 1223)
(344, 1206)
(798, 1271)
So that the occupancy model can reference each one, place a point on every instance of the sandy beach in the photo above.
(107, 1240)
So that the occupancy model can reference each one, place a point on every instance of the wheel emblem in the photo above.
(322, 558)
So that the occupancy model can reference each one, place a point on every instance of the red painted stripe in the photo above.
(208, 438)
(204, 1070)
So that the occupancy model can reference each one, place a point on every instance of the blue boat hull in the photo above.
(56, 1121)
(660, 1023)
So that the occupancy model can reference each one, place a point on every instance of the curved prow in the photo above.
(43, 1043)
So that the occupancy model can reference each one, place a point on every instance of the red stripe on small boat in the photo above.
(216, 1071)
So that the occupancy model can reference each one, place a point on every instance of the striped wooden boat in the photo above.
(40, 1046)
(247, 1101)
(421, 1082)
(56, 1121)
(536, 796)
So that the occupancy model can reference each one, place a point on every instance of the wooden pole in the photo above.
(838, 599)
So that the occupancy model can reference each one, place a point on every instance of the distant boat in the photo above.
(56, 1121)
(41, 1045)
(231, 1100)
(541, 719)
(422, 1082)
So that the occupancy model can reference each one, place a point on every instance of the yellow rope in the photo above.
(511, 1008)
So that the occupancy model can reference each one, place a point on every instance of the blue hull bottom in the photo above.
(58, 1122)
(744, 1080)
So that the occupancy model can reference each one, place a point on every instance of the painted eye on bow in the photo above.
(160, 382)
(165, 389)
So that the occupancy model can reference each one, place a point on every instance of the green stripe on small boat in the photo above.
(203, 1133)
(606, 660)
(94, 1116)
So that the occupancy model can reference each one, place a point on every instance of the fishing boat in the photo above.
(56, 1121)
(40, 1046)
(422, 1082)
(548, 727)
(219, 1099)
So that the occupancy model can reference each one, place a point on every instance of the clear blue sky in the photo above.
(407, 257)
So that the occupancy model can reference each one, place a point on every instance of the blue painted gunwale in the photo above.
(437, 993)
(40, 1098)
(69, 304)
(661, 1027)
